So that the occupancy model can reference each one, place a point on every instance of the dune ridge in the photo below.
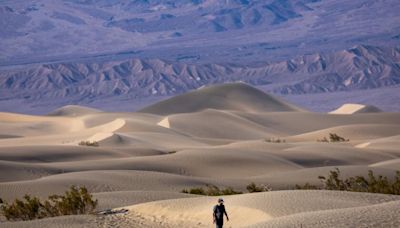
(230, 96)
(355, 108)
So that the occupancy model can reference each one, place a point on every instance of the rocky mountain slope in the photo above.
(362, 67)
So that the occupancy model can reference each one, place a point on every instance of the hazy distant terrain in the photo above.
(205, 30)
(104, 53)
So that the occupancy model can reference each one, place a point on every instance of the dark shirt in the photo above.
(219, 211)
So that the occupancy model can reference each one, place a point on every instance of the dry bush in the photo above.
(372, 184)
(307, 186)
(89, 143)
(333, 137)
(252, 187)
(273, 140)
(211, 190)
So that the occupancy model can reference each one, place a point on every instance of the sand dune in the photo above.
(387, 143)
(73, 110)
(377, 215)
(218, 124)
(352, 132)
(235, 96)
(355, 108)
(261, 208)
(228, 136)
(274, 209)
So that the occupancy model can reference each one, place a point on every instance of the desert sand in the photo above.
(219, 135)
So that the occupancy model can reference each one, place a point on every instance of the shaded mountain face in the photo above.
(190, 31)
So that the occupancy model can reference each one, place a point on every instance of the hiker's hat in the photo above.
(220, 200)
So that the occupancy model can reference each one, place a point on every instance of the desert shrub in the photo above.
(211, 190)
(307, 186)
(88, 143)
(229, 191)
(252, 187)
(75, 201)
(371, 183)
(333, 137)
(273, 140)
(1, 201)
(336, 138)
(26, 209)
(196, 191)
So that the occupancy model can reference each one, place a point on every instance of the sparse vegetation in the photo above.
(372, 184)
(75, 201)
(252, 187)
(89, 143)
(273, 140)
(307, 186)
(211, 190)
(333, 137)
(171, 152)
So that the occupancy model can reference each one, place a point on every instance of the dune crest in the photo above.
(73, 110)
(347, 109)
(164, 123)
(231, 96)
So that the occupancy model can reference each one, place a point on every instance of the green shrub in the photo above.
(26, 209)
(89, 143)
(75, 201)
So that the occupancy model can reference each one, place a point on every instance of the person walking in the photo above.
(218, 214)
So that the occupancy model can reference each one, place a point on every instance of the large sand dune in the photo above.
(228, 136)
(235, 96)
